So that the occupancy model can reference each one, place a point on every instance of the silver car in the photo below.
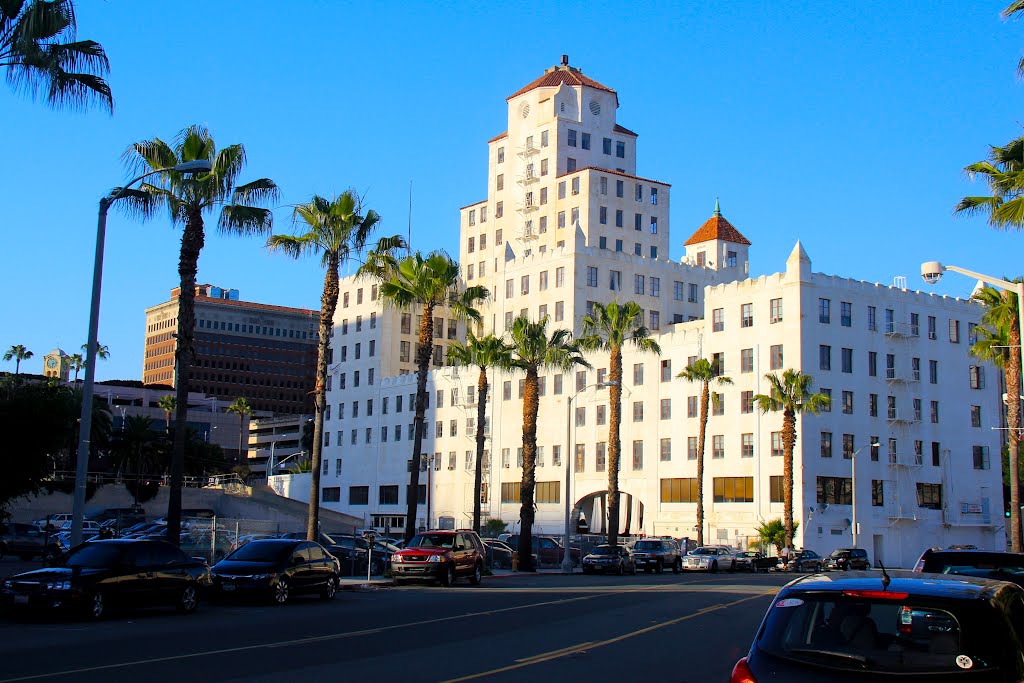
(710, 558)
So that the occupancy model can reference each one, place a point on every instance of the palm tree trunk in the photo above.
(17, 366)
(481, 416)
(1013, 371)
(192, 240)
(423, 353)
(788, 444)
(614, 442)
(529, 482)
(167, 422)
(241, 424)
(328, 303)
(705, 399)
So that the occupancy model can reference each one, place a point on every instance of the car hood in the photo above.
(423, 550)
(229, 568)
(55, 574)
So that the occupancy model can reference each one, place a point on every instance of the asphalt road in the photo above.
(674, 628)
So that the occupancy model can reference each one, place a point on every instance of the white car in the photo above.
(56, 520)
(87, 525)
(710, 558)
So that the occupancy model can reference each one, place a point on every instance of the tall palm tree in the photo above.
(485, 353)
(1015, 7)
(609, 328)
(532, 351)
(791, 394)
(424, 283)
(102, 350)
(17, 353)
(39, 49)
(186, 197)
(703, 372)
(1003, 172)
(999, 342)
(136, 448)
(76, 363)
(337, 230)
(243, 409)
(167, 404)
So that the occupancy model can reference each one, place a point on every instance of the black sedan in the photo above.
(607, 559)
(93, 577)
(277, 568)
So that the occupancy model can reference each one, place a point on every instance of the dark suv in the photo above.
(989, 564)
(845, 559)
(442, 555)
(657, 555)
(863, 628)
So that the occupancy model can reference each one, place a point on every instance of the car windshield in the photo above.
(432, 541)
(704, 551)
(893, 635)
(647, 545)
(94, 555)
(839, 553)
(259, 551)
(604, 550)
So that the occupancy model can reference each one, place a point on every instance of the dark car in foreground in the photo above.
(277, 568)
(608, 559)
(93, 577)
(916, 627)
(988, 564)
(440, 555)
(845, 559)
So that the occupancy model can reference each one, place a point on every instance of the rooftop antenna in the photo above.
(885, 577)
(408, 238)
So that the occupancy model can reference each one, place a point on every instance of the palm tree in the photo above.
(186, 197)
(243, 409)
(609, 328)
(532, 351)
(1003, 172)
(791, 394)
(38, 47)
(485, 353)
(999, 342)
(1015, 7)
(425, 283)
(336, 229)
(137, 448)
(76, 363)
(703, 372)
(773, 534)
(102, 350)
(167, 404)
(17, 353)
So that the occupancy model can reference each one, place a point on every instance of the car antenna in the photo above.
(885, 577)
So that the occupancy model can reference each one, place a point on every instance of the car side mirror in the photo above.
(460, 547)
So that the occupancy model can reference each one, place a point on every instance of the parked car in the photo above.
(608, 559)
(499, 555)
(27, 541)
(54, 520)
(657, 555)
(277, 568)
(754, 561)
(547, 550)
(862, 628)
(94, 577)
(803, 561)
(845, 559)
(353, 560)
(710, 558)
(380, 557)
(442, 555)
(988, 564)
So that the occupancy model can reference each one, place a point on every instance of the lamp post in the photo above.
(85, 431)
(853, 499)
(567, 553)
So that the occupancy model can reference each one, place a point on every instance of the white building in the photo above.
(567, 222)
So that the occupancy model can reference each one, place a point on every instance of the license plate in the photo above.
(20, 599)
(228, 587)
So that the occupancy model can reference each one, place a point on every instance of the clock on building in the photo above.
(51, 362)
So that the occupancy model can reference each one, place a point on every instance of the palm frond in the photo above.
(257, 192)
(245, 220)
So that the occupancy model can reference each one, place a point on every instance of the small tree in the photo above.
(167, 404)
(243, 409)
(17, 353)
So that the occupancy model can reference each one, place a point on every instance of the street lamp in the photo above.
(853, 499)
(567, 553)
(85, 432)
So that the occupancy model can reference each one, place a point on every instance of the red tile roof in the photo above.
(608, 170)
(717, 228)
(562, 74)
(498, 137)
(624, 130)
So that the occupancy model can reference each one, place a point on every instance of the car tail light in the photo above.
(741, 673)
(906, 624)
(876, 595)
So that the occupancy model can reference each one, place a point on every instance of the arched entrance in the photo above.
(590, 514)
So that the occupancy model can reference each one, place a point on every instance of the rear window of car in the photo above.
(905, 635)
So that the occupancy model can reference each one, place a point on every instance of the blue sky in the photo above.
(844, 125)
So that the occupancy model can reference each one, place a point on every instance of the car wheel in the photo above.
(97, 607)
(281, 592)
(330, 589)
(817, 567)
(448, 578)
(633, 572)
(659, 568)
(478, 575)
(188, 600)
(714, 566)
(677, 568)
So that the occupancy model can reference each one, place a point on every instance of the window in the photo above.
(654, 225)
(932, 333)
(733, 489)
(510, 492)
(935, 454)
(935, 412)
(575, 190)
(717, 404)
(560, 276)
(591, 276)
(835, 491)
(826, 444)
(954, 331)
(677, 291)
(556, 456)
(620, 149)
(500, 183)
(606, 146)
(581, 416)
(824, 310)
(498, 240)
(846, 314)
(775, 490)
(746, 445)
(875, 446)
(718, 446)
(580, 460)
(872, 318)
(548, 492)
(692, 294)
(933, 372)
(665, 450)
(638, 374)
(746, 360)
(877, 493)
(666, 409)
(848, 446)
(746, 315)
(777, 444)
(718, 320)
(358, 495)
(571, 138)
(746, 402)
(929, 496)
(824, 357)
(499, 211)
(679, 490)
(601, 415)
(980, 456)
(776, 311)
(692, 406)
(655, 286)
(872, 363)
(638, 455)
(847, 360)
(775, 357)
(915, 369)
(389, 495)
(501, 155)
(331, 494)
(559, 311)
(585, 141)
(975, 416)
(601, 457)
(847, 402)
(638, 284)
(827, 407)
(570, 164)
(977, 377)
(638, 411)
(691, 448)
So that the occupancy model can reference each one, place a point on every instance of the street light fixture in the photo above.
(567, 552)
(85, 432)
(853, 499)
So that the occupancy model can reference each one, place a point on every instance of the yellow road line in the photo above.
(557, 654)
